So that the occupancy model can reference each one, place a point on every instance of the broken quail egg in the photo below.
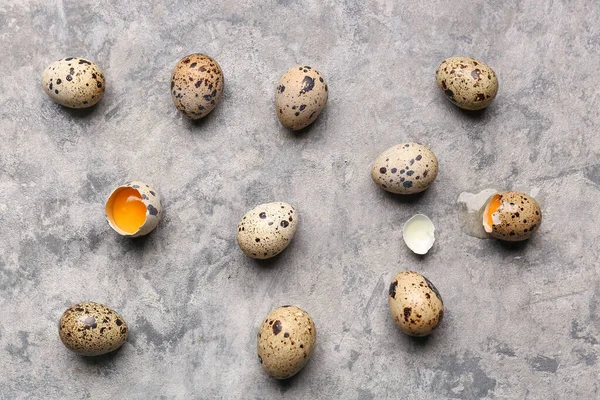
(415, 304)
(418, 233)
(133, 209)
(512, 216)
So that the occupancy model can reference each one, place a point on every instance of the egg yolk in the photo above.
(128, 211)
(492, 208)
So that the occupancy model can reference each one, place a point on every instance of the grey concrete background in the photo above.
(522, 322)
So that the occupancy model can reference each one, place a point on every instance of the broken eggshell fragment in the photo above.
(133, 209)
(418, 234)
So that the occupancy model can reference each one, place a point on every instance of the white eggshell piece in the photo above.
(418, 234)
(151, 200)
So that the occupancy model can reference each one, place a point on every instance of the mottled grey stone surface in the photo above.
(522, 322)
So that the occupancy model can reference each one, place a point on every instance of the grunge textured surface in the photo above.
(522, 322)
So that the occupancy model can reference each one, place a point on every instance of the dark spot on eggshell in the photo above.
(152, 210)
(392, 289)
(277, 327)
(308, 84)
(433, 289)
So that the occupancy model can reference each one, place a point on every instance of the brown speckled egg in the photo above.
(92, 329)
(300, 97)
(196, 85)
(468, 83)
(415, 304)
(267, 229)
(285, 341)
(512, 216)
(407, 168)
(74, 82)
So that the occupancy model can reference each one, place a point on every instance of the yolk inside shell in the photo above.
(129, 212)
(492, 208)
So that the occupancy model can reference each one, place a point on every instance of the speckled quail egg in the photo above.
(74, 82)
(92, 329)
(512, 216)
(197, 85)
(415, 304)
(407, 168)
(300, 97)
(285, 341)
(133, 209)
(267, 229)
(468, 83)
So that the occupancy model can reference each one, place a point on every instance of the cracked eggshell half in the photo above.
(407, 168)
(415, 304)
(418, 234)
(512, 216)
(286, 341)
(267, 229)
(133, 209)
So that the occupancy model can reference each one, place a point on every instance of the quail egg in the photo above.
(415, 304)
(133, 209)
(196, 85)
(286, 341)
(300, 97)
(407, 168)
(512, 216)
(468, 83)
(74, 82)
(267, 229)
(92, 329)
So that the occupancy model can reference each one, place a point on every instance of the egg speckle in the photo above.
(468, 83)
(407, 168)
(74, 82)
(196, 85)
(415, 304)
(92, 329)
(512, 216)
(267, 229)
(300, 96)
(286, 341)
(133, 209)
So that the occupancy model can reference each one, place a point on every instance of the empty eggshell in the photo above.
(468, 83)
(418, 233)
(74, 82)
(415, 304)
(92, 329)
(286, 341)
(133, 209)
(512, 216)
(267, 229)
(196, 85)
(300, 97)
(407, 168)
